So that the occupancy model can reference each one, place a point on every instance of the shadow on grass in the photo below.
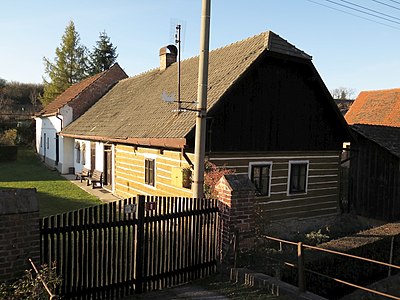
(55, 194)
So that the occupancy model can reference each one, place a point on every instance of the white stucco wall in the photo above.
(46, 131)
(67, 113)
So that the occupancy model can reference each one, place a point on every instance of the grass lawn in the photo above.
(54, 192)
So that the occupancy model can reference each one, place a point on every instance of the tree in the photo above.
(343, 93)
(103, 56)
(70, 65)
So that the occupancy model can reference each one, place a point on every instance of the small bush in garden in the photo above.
(212, 174)
(9, 137)
(316, 237)
(30, 287)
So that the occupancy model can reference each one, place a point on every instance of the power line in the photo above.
(360, 11)
(366, 8)
(388, 5)
(395, 1)
(354, 15)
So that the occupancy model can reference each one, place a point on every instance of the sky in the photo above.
(350, 49)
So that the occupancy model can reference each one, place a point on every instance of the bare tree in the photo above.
(343, 93)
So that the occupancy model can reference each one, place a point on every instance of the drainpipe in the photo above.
(199, 148)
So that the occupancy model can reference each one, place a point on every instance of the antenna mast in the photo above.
(178, 43)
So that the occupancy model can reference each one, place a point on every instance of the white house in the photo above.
(58, 151)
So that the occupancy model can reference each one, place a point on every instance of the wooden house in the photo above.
(375, 155)
(58, 151)
(269, 116)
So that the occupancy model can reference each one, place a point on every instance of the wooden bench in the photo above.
(84, 174)
(96, 179)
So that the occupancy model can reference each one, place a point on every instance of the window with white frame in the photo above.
(149, 171)
(298, 177)
(260, 175)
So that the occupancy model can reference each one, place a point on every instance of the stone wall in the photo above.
(19, 232)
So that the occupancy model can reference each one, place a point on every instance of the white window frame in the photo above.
(262, 163)
(297, 162)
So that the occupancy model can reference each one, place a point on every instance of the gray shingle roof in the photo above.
(385, 136)
(134, 109)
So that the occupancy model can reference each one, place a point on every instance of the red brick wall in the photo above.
(19, 232)
(236, 195)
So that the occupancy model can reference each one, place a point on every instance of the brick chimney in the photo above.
(168, 55)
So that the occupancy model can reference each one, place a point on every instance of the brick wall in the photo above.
(236, 195)
(19, 232)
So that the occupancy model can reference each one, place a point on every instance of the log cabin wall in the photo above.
(323, 183)
(130, 172)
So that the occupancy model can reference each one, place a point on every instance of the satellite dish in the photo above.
(167, 98)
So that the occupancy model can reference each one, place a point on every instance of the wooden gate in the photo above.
(131, 246)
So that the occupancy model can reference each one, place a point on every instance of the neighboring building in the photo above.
(269, 115)
(375, 155)
(57, 151)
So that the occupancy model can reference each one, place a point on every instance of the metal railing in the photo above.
(301, 266)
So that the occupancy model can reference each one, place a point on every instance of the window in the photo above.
(149, 166)
(48, 143)
(260, 175)
(298, 173)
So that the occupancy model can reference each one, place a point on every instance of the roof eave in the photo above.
(171, 143)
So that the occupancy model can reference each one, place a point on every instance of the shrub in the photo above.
(9, 137)
(30, 286)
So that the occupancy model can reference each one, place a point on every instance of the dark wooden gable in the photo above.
(279, 104)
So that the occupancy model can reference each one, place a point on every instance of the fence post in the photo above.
(391, 256)
(300, 268)
(139, 245)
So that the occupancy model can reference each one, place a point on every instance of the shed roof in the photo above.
(385, 136)
(133, 110)
(380, 107)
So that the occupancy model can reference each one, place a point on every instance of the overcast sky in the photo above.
(349, 48)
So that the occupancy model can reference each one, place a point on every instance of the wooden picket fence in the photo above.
(131, 246)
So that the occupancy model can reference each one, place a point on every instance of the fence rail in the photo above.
(301, 266)
(131, 245)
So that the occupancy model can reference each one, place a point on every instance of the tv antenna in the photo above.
(170, 98)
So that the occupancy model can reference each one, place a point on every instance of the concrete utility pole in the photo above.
(200, 139)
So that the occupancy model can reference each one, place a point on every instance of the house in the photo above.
(375, 154)
(57, 151)
(269, 115)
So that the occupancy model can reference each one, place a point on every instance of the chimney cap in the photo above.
(169, 49)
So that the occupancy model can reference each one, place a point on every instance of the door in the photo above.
(107, 165)
(92, 156)
(57, 149)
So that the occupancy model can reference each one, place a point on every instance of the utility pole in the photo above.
(200, 139)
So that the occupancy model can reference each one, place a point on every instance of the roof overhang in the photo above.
(172, 143)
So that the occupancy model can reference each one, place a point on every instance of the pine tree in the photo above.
(70, 65)
(103, 56)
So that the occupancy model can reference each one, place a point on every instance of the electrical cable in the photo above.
(388, 5)
(354, 15)
(364, 12)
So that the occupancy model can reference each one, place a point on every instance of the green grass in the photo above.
(54, 192)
